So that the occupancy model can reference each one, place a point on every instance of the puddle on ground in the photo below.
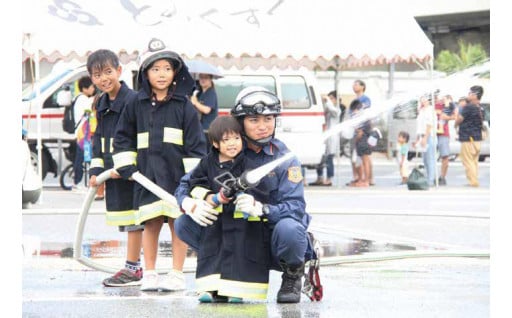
(331, 246)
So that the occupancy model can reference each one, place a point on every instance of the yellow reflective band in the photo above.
(142, 140)
(103, 147)
(242, 289)
(156, 209)
(126, 217)
(240, 215)
(190, 163)
(199, 193)
(97, 163)
(208, 283)
(173, 135)
(231, 287)
(125, 158)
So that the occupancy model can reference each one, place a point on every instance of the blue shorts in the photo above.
(443, 145)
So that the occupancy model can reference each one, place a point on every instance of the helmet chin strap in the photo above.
(260, 142)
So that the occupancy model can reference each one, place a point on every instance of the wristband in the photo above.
(215, 199)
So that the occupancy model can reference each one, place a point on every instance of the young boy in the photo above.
(159, 135)
(225, 134)
(105, 71)
(402, 153)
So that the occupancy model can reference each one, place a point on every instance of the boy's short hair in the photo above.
(100, 59)
(84, 82)
(404, 134)
(478, 90)
(221, 125)
(356, 105)
(333, 94)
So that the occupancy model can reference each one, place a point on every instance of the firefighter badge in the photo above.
(294, 174)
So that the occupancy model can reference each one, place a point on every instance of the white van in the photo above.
(299, 126)
(302, 114)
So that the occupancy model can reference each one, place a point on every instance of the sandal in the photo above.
(99, 198)
(351, 183)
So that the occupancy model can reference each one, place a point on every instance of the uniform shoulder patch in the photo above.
(295, 174)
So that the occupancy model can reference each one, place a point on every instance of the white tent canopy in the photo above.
(318, 34)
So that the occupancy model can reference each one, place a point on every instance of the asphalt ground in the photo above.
(453, 281)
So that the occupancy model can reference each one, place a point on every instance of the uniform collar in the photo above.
(117, 104)
(269, 149)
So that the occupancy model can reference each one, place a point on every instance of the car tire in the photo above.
(46, 165)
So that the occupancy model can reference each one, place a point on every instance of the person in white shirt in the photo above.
(64, 97)
(83, 103)
(425, 140)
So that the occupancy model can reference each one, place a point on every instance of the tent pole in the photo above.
(336, 73)
(39, 132)
(391, 79)
(434, 125)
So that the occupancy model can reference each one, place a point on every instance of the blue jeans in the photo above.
(289, 241)
(329, 164)
(78, 168)
(429, 160)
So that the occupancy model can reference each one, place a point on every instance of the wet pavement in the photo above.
(387, 252)
(429, 287)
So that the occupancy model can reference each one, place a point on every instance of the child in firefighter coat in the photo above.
(234, 258)
(160, 136)
(105, 71)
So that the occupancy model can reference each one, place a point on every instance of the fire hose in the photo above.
(311, 276)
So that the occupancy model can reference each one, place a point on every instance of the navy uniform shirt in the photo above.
(282, 189)
(208, 98)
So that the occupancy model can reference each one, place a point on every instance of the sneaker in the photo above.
(174, 280)
(442, 181)
(149, 281)
(206, 297)
(235, 300)
(124, 278)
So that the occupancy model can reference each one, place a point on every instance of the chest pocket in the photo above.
(173, 136)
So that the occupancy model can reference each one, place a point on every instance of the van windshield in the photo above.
(228, 87)
(29, 93)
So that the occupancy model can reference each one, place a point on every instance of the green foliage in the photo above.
(468, 55)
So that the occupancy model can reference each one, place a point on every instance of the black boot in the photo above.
(291, 285)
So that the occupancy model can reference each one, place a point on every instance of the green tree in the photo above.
(468, 55)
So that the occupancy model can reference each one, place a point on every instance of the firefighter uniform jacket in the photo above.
(234, 257)
(119, 192)
(282, 189)
(283, 192)
(160, 139)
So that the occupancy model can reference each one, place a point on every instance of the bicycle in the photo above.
(66, 179)
(68, 174)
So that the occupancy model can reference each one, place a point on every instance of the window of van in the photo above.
(295, 92)
(407, 110)
(51, 101)
(229, 86)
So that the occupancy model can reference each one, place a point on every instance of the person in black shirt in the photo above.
(469, 121)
